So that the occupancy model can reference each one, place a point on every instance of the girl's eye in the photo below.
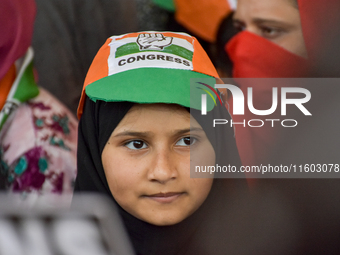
(136, 145)
(186, 141)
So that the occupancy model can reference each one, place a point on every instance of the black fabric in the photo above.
(225, 32)
(95, 127)
(187, 237)
(221, 137)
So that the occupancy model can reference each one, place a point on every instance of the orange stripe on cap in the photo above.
(98, 70)
(201, 62)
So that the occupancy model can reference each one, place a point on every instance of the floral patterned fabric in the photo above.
(38, 148)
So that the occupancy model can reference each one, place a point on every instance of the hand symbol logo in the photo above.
(155, 41)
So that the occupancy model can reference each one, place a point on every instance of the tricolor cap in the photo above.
(149, 67)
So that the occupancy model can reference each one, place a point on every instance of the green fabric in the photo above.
(3, 120)
(25, 90)
(168, 5)
(153, 85)
(131, 48)
(27, 87)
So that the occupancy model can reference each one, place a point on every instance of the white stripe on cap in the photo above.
(148, 56)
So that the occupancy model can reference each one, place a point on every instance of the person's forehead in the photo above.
(157, 108)
(144, 117)
(269, 9)
(143, 113)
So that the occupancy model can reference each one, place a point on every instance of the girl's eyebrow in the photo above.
(188, 130)
(133, 133)
(148, 134)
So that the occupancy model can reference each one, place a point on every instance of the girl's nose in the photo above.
(163, 167)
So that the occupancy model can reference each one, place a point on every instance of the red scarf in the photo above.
(255, 57)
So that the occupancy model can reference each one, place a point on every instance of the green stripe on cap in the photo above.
(152, 85)
(131, 48)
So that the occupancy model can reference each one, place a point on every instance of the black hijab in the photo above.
(95, 127)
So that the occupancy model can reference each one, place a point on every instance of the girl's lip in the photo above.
(165, 197)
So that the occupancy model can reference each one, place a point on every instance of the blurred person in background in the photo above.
(67, 35)
(277, 39)
(38, 134)
(294, 39)
(270, 44)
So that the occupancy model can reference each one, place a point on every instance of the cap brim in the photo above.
(152, 85)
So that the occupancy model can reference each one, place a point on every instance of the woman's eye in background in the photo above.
(186, 141)
(270, 32)
(136, 145)
(240, 26)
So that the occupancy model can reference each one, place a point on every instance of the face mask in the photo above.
(256, 57)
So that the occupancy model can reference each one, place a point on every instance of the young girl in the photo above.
(140, 138)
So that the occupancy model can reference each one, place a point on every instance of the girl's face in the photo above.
(147, 163)
(275, 20)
